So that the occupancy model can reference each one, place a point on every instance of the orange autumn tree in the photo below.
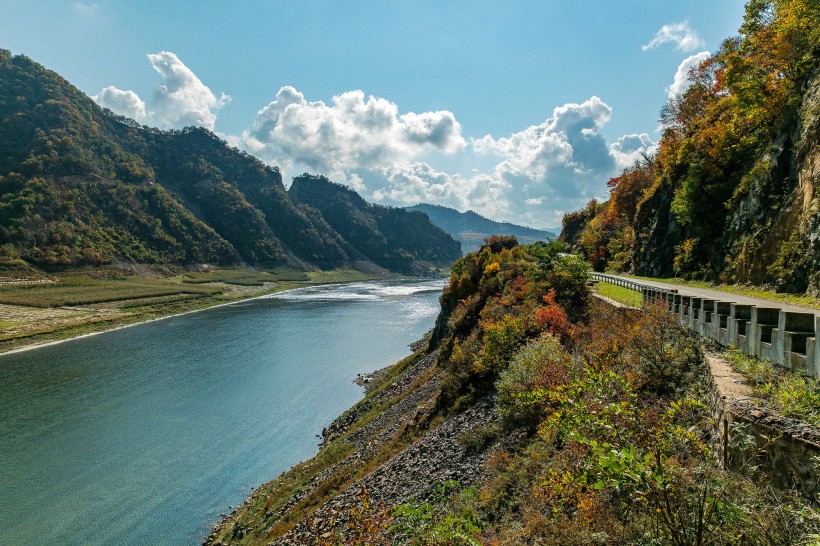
(552, 316)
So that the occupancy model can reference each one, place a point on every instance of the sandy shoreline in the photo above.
(40, 345)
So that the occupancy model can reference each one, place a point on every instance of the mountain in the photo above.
(393, 238)
(733, 194)
(471, 228)
(80, 185)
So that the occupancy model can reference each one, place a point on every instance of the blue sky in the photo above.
(512, 108)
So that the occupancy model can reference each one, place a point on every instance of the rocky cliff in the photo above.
(731, 195)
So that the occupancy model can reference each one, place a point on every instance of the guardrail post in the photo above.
(694, 312)
(720, 321)
(764, 322)
(707, 308)
(796, 328)
(739, 316)
(813, 351)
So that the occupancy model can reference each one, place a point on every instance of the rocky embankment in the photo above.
(392, 445)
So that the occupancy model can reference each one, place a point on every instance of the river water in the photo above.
(146, 435)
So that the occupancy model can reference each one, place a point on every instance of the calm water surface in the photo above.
(145, 435)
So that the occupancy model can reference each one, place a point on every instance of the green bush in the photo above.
(534, 372)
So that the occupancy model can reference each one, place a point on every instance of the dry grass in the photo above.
(243, 277)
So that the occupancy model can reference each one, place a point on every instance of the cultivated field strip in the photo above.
(82, 292)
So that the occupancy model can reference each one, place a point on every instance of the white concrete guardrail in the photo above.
(787, 338)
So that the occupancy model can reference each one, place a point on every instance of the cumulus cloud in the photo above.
(539, 173)
(353, 131)
(631, 148)
(125, 103)
(681, 82)
(180, 100)
(680, 34)
(531, 177)
(569, 140)
(411, 183)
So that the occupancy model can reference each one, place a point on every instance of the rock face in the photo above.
(653, 256)
(780, 215)
(771, 233)
(808, 190)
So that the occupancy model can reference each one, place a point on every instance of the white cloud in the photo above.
(684, 37)
(85, 9)
(126, 103)
(349, 133)
(567, 140)
(181, 100)
(631, 148)
(531, 177)
(681, 82)
(411, 183)
(541, 171)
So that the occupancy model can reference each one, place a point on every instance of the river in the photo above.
(145, 435)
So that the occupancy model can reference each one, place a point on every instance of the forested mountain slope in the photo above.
(82, 186)
(732, 194)
(393, 238)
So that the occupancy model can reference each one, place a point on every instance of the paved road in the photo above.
(723, 296)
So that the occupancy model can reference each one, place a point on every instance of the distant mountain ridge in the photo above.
(82, 186)
(471, 228)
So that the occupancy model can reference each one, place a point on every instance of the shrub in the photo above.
(664, 355)
(500, 341)
(524, 387)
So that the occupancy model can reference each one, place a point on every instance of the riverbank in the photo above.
(27, 327)
(390, 446)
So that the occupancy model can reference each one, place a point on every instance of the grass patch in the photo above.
(243, 277)
(338, 275)
(792, 394)
(620, 294)
(159, 300)
(85, 291)
(761, 292)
